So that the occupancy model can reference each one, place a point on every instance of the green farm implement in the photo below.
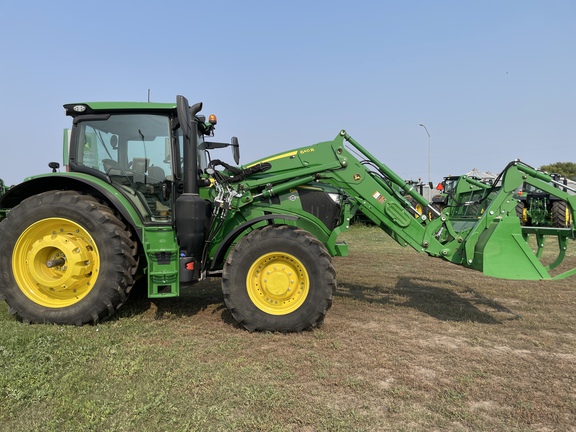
(141, 197)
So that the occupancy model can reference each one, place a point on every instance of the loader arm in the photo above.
(479, 229)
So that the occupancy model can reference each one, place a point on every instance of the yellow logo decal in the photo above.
(308, 150)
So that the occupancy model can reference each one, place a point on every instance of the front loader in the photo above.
(141, 197)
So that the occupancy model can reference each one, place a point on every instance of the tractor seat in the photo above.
(111, 167)
(156, 175)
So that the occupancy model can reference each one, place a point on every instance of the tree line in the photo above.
(565, 169)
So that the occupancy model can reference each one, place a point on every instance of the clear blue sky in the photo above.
(492, 80)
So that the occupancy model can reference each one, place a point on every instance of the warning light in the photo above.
(212, 119)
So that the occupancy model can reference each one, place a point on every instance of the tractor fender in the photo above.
(235, 233)
(77, 182)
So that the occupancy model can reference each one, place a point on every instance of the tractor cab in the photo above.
(139, 149)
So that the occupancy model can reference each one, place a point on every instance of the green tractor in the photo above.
(537, 207)
(3, 190)
(445, 189)
(466, 203)
(142, 198)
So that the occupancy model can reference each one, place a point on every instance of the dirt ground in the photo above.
(460, 348)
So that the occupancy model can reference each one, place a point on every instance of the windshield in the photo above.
(134, 151)
(449, 185)
(528, 188)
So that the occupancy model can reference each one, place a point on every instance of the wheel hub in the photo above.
(277, 283)
(55, 262)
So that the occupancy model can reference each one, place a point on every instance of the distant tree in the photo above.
(566, 169)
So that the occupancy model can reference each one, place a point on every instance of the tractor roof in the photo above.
(75, 109)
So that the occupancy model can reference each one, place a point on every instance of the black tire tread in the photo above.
(116, 277)
(559, 212)
(256, 239)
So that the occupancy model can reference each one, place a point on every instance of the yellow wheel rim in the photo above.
(525, 215)
(277, 283)
(55, 262)
(419, 210)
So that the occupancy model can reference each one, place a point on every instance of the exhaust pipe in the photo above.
(189, 126)
(190, 211)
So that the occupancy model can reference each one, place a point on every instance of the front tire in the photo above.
(67, 259)
(279, 278)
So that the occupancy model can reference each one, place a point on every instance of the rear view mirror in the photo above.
(235, 150)
(210, 145)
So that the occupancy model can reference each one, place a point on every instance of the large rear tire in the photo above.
(561, 215)
(67, 259)
(279, 278)
(522, 213)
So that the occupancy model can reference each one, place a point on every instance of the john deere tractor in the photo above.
(141, 196)
(537, 207)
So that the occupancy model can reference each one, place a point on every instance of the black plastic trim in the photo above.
(233, 235)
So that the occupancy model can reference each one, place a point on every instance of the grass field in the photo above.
(411, 343)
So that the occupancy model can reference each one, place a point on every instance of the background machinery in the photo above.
(141, 198)
(445, 188)
(537, 207)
